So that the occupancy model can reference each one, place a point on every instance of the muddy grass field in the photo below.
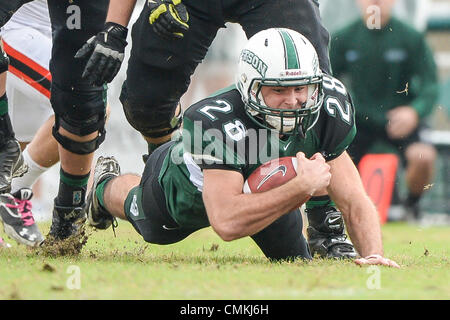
(202, 267)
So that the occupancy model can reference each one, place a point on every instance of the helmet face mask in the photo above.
(263, 62)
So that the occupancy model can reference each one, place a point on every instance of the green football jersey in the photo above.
(218, 134)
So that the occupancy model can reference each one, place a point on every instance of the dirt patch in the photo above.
(56, 288)
(214, 247)
(48, 268)
(71, 246)
(14, 294)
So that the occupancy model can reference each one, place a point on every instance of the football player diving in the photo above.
(169, 39)
(280, 102)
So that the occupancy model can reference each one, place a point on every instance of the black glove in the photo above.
(4, 60)
(106, 51)
(168, 17)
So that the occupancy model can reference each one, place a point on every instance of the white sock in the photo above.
(28, 179)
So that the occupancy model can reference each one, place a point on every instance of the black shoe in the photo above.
(12, 164)
(328, 239)
(98, 217)
(66, 221)
(17, 218)
(412, 212)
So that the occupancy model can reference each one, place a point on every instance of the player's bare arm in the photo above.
(360, 215)
(120, 11)
(234, 215)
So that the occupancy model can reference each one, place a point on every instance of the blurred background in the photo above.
(432, 17)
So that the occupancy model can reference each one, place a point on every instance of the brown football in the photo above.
(271, 174)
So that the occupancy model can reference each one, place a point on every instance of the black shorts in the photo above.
(73, 23)
(145, 207)
(159, 70)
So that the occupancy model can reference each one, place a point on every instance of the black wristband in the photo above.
(116, 30)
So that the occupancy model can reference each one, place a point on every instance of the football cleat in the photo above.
(99, 217)
(17, 218)
(328, 239)
(12, 164)
(66, 221)
(412, 212)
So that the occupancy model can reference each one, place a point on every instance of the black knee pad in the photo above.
(78, 102)
(81, 112)
(150, 120)
(80, 128)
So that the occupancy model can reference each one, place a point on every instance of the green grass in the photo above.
(204, 267)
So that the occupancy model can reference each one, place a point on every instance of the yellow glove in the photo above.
(169, 18)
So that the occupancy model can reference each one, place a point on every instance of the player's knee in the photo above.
(81, 113)
(150, 118)
(421, 154)
(81, 128)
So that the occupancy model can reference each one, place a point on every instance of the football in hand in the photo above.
(271, 174)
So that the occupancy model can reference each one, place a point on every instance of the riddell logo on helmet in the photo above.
(293, 73)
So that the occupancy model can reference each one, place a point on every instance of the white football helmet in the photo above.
(280, 57)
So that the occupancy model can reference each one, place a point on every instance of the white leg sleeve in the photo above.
(29, 178)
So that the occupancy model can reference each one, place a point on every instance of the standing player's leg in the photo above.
(11, 160)
(302, 16)
(158, 74)
(418, 159)
(39, 156)
(79, 108)
(28, 89)
(421, 158)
